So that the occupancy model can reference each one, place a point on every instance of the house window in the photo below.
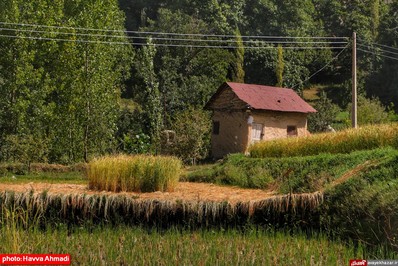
(291, 131)
(257, 132)
(216, 127)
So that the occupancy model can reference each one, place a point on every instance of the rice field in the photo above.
(137, 246)
(363, 138)
(138, 173)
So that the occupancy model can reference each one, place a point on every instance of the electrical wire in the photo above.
(171, 33)
(322, 68)
(168, 45)
(165, 39)
(378, 44)
(378, 54)
(377, 49)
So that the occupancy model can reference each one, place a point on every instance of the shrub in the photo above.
(192, 128)
(140, 173)
(370, 111)
(363, 138)
(325, 115)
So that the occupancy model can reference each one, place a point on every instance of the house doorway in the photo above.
(257, 132)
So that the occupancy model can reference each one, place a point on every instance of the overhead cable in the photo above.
(378, 54)
(168, 45)
(171, 33)
(322, 68)
(168, 39)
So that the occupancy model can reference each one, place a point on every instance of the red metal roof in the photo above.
(262, 97)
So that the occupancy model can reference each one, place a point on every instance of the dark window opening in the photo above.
(216, 127)
(291, 131)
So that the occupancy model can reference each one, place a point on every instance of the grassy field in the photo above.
(289, 174)
(48, 177)
(137, 246)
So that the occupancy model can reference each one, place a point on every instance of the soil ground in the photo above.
(185, 191)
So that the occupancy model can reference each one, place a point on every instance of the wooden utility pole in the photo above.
(354, 120)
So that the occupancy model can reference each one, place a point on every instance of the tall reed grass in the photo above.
(364, 138)
(139, 173)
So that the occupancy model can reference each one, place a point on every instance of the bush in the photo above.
(192, 141)
(364, 138)
(325, 115)
(134, 173)
(370, 111)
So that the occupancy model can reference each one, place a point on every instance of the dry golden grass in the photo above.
(363, 138)
(134, 173)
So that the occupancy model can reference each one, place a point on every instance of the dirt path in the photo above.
(185, 191)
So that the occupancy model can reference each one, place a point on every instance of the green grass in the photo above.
(290, 174)
(136, 246)
(48, 177)
(140, 173)
(347, 141)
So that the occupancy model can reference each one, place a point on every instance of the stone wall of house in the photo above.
(275, 123)
(233, 133)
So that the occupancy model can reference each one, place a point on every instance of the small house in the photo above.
(247, 113)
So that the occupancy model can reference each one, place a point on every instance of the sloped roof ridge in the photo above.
(263, 97)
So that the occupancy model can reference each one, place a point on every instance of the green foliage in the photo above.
(363, 138)
(370, 111)
(292, 174)
(25, 149)
(325, 115)
(279, 67)
(134, 173)
(153, 106)
(14, 176)
(136, 144)
(66, 93)
(186, 76)
(192, 141)
(365, 207)
(238, 73)
(384, 83)
(125, 245)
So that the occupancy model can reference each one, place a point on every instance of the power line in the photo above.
(377, 49)
(367, 51)
(165, 39)
(378, 44)
(172, 33)
(168, 45)
(322, 68)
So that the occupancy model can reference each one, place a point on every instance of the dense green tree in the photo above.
(325, 115)
(186, 75)
(384, 82)
(192, 128)
(279, 67)
(283, 18)
(237, 72)
(62, 92)
(153, 106)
